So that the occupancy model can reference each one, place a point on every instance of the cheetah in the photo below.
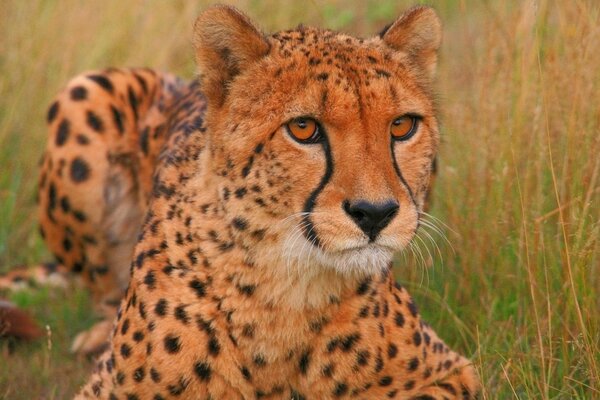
(251, 216)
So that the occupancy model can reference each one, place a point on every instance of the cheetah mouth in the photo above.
(368, 258)
(369, 247)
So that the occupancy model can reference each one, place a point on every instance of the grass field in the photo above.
(516, 285)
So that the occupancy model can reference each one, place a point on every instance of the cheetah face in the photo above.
(321, 143)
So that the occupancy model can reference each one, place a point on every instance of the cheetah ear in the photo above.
(418, 32)
(225, 42)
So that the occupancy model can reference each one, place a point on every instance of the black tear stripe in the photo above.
(397, 169)
(309, 231)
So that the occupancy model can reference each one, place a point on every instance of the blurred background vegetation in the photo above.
(516, 285)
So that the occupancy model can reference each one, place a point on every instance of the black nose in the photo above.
(371, 217)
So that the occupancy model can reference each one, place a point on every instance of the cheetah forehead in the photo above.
(327, 47)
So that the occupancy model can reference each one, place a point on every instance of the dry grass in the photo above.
(519, 185)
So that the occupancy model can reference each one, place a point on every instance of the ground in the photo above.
(516, 290)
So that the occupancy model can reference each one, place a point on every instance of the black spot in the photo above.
(181, 314)
(348, 342)
(362, 357)
(247, 167)
(142, 309)
(392, 350)
(340, 389)
(364, 312)
(65, 205)
(413, 364)
(79, 215)
(399, 318)
(304, 362)
(131, 396)
(259, 360)
(82, 139)
(150, 280)
(172, 344)
(202, 369)
(139, 374)
(133, 101)
(333, 344)
(417, 338)
(67, 244)
(80, 171)
(142, 82)
(240, 192)
(327, 370)
(240, 223)
(427, 338)
(78, 93)
(144, 140)
(118, 119)
(213, 346)
(409, 385)
(413, 308)
(125, 350)
(385, 381)
(378, 363)
(77, 267)
(178, 388)
(297, 396)
(259, 148)
(199, 287)
(52, 196)
(94, 121)
(103, 82)
(316, 325)
(364, 286)
(376, 310)
(62, 133)
(125, 326)
(247, 290)
(245, 373)
(120, 377)
(52, 112)
(138, 336)
(161, 307)
(154, 375)
(248, 330)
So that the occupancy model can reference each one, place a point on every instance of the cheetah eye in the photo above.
(404, 127)
(304, 130)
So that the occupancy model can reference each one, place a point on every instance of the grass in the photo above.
(518, 289)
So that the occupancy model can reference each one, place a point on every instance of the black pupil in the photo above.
(301, 123)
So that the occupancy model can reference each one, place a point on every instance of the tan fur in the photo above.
(251, 278)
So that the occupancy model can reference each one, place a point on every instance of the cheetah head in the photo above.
(321, 144)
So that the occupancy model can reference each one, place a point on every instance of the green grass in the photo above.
(519, 185)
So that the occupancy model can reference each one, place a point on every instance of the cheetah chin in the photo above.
(361, 259)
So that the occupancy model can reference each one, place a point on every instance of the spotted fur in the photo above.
(252, 277)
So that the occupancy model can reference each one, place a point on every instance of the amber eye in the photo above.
(404, 127)
(304, 130)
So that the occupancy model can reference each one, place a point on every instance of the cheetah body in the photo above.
(248, 279)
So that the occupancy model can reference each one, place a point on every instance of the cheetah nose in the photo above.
(371, 218)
